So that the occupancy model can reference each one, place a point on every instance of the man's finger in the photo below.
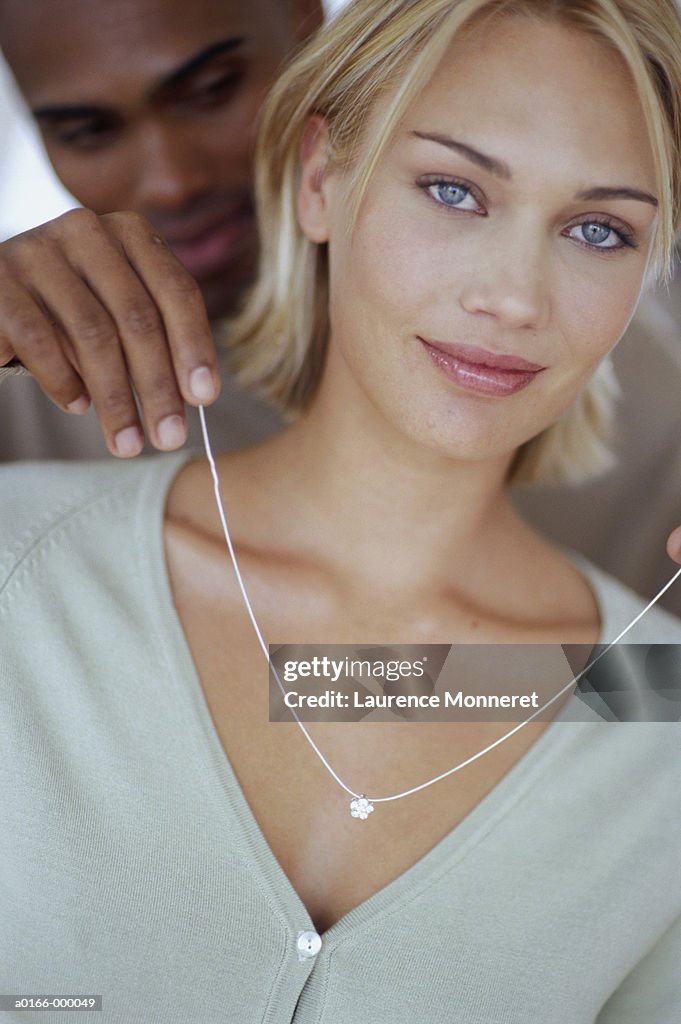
(31, 336)
(86, 337)
(118, 339)
(674, 545)
(178, 298)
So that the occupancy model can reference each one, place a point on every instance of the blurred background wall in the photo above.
(29, 191)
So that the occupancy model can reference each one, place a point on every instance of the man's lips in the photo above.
(476, 369)
(210, 247)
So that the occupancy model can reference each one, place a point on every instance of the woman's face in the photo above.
(514, 214)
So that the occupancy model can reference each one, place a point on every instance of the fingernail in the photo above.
(171, 432)
(128, 442)
(79, 406)
(201, 384)
(674, 545)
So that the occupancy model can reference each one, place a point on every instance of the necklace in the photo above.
(361, 806)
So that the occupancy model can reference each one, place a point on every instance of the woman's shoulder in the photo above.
(36, 498)
(620, 606)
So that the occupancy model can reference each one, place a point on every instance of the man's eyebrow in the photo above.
(76, 112)
(488, 163)
(198, 60)
(80, 111)
(619, 192)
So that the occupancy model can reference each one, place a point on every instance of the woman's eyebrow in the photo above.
(619, 192)
(488, 163)
(502, 170)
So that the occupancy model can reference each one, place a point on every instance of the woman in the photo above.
(467, 176)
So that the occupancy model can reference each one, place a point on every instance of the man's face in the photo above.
(151, 106)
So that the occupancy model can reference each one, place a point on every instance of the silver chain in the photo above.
(365, 804)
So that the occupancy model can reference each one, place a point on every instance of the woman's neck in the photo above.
(342, 482)
(354, 529)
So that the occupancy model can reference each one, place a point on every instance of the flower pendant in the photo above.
(360, 807)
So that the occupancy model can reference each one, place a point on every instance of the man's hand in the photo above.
(99, 310)
(674, 545)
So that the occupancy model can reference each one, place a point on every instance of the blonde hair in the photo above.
(391, 48)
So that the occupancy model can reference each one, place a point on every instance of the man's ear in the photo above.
(313, 210)
(308, 15)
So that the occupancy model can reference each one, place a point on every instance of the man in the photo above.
(146, 106)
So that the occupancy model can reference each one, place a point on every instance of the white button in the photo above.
(308, 945)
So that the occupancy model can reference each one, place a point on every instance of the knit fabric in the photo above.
(131, 865)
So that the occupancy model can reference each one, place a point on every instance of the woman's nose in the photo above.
(511, 281)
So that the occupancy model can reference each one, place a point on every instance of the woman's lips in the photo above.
(475, 369)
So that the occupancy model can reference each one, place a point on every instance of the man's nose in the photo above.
(511, 282)
(172, 170)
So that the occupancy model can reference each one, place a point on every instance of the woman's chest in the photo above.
(334, 861)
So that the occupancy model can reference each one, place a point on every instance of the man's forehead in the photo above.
(49, 43)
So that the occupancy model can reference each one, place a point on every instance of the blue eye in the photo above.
(600, 235)
(449, 193)
(596, 234)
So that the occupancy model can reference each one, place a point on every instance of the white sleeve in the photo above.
(651, 992)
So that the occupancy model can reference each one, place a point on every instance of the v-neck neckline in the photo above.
(258, 854)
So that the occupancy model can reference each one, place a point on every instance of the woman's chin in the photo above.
(464, 434)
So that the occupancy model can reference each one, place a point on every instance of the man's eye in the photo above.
(89, 135)
(215, 91)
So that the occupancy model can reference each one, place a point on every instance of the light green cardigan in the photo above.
(131, 865)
